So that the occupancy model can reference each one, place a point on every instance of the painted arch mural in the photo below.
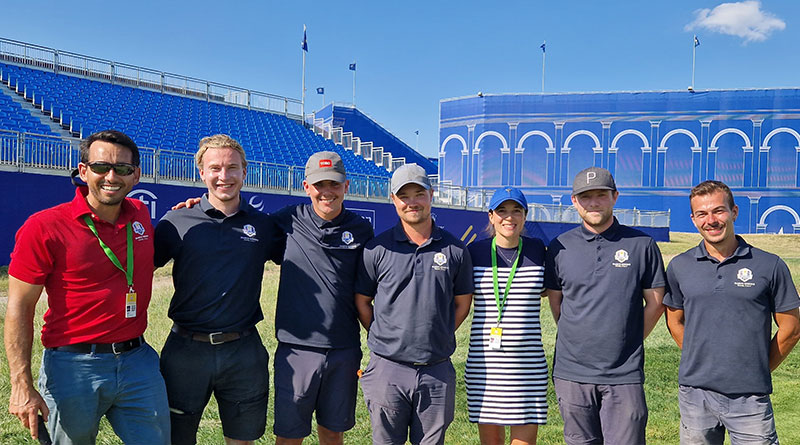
(657, 145)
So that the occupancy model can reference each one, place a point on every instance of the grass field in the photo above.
(661, 366)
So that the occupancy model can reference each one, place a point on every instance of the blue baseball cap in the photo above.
(508, 193)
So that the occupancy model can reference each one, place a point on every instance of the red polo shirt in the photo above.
(85, 291)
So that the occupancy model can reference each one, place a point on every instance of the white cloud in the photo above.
(743, 19)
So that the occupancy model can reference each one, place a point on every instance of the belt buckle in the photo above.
(420, 363)
(114, 347)
(215, 342)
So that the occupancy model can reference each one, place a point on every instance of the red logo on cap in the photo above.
(325, 163)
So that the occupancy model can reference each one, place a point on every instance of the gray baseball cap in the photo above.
(325, 165)
(593, 178)
(409, 174)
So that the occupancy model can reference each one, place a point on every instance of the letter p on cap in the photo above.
(590, 176)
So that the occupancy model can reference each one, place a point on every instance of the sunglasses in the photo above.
(120, 168)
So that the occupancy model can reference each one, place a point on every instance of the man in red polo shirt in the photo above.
(94, 257)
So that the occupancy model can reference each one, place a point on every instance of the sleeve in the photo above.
(673, 296)
(32, 259)
(784, 294)
(551, 280)
(653, 267)
(277, 245)
(367, 275)
(463, 282)
(165, 242)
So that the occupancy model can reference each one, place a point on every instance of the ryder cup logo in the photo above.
(621, 256)
(249, 230)
(744, 275)
(138, 228)
(439, 261)
(347, 237)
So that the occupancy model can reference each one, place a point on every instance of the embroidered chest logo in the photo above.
(138, 229)
(744, 275)
(347, 237)
(621, 257)
(250, 231)
(439, 261)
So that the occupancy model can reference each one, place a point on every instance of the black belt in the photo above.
(103, 348)
(215, 338)
(416, 364)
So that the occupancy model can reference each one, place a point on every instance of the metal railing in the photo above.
(65, 62)
(26, 151)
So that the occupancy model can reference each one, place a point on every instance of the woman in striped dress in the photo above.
(506, 372)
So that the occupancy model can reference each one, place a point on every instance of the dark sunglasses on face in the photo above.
(120, 168)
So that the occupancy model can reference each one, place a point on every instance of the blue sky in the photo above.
(413, 53)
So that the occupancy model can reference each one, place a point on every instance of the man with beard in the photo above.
(597, 276)
(94, 257)
(420, 280)
(722, 298)
(219, 247)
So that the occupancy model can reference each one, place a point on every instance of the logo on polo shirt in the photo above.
(744, 275)
(622, 258)
(138, 229)
(250, 231)
(439, 261)
(347, 237)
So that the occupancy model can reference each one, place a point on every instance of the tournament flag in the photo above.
(320, 90)
(542, 46)
(305, 41)
(696, 41)
(352, 66)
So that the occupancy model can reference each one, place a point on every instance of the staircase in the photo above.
(29, 104)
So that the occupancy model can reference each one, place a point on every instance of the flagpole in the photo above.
(304, 49)
(543, 61)
(544, 53)
(354, 85)
(694, 55)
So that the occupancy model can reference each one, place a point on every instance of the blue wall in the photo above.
(26, 193)
(657, 144)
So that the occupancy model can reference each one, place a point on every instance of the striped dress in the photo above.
(507, 386)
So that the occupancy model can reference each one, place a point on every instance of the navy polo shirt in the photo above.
(413, 289)
(602, 276)
(318, 272)
(219, 263)
(728, 309)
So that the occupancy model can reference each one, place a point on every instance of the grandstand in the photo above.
(658, 144)
(49, 99)
(165, 121)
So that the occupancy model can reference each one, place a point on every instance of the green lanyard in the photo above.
(501, 304)
(110, 254)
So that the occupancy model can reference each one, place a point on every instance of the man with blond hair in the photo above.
(219, 247)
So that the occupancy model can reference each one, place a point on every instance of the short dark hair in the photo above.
(709, 187)
(114, 137)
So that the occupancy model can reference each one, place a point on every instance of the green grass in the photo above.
(661, 366)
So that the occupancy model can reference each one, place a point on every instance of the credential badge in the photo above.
(439, 259)
(744, 274)
(138, 228)
(347, 237)
(249, 230)
(621, 255)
